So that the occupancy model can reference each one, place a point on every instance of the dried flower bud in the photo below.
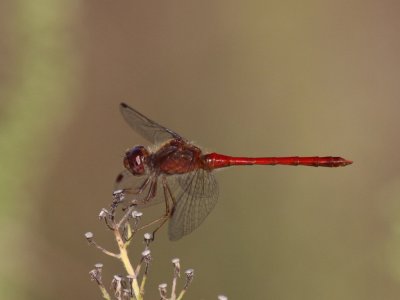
(189, 273)
(116, 285)
(103, 213)
(146, 259)
(89, 236)
(137, 214)
(95, 274)
(163, 290)
(130, 277)
(175, 260)
(177, 267)
(148, 237)
(189, 277)
(146, 255)
(118, 196)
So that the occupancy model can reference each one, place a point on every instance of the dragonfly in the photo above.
(175, 171)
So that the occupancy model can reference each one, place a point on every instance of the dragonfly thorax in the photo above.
(135, 160)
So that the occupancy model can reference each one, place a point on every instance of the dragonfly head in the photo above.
(135, 160)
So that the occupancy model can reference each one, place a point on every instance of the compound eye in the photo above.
(135, 160)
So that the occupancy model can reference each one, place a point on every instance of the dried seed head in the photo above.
(89, 236)
(189, 273)
(116, 285)
(146, 252)
(103, 213)
(146, 256)
(177, 267)
(222, 297)
(175, 260)
(95, 274)
(146, 259)
(148, 237)
(189, 277)
(130, 277)
(163, 290)
(118, 196)
(137, 214)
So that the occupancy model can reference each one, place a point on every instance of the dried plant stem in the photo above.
(142, 285)
(127, 263)
(104, 250)
(104, 292)
(182, 293)
(125, 217)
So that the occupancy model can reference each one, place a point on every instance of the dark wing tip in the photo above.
(119, 177)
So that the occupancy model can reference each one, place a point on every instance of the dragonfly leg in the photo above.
(168, 210)
(161, 219)
(140, 189)
(170, 194)
(168, 197)
(137, 191)
(165, 189)
(150, 195)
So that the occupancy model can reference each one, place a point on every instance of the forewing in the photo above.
(198, 196)
(150, 130)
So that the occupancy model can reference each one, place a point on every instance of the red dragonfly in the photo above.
(184, 173)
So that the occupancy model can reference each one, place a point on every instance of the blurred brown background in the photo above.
(241, 78)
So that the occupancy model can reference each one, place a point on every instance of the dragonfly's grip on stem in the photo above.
(215, 160)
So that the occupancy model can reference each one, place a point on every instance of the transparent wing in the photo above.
(150, 130)
(198, 196)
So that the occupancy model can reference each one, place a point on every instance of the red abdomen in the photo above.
(215, 160)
